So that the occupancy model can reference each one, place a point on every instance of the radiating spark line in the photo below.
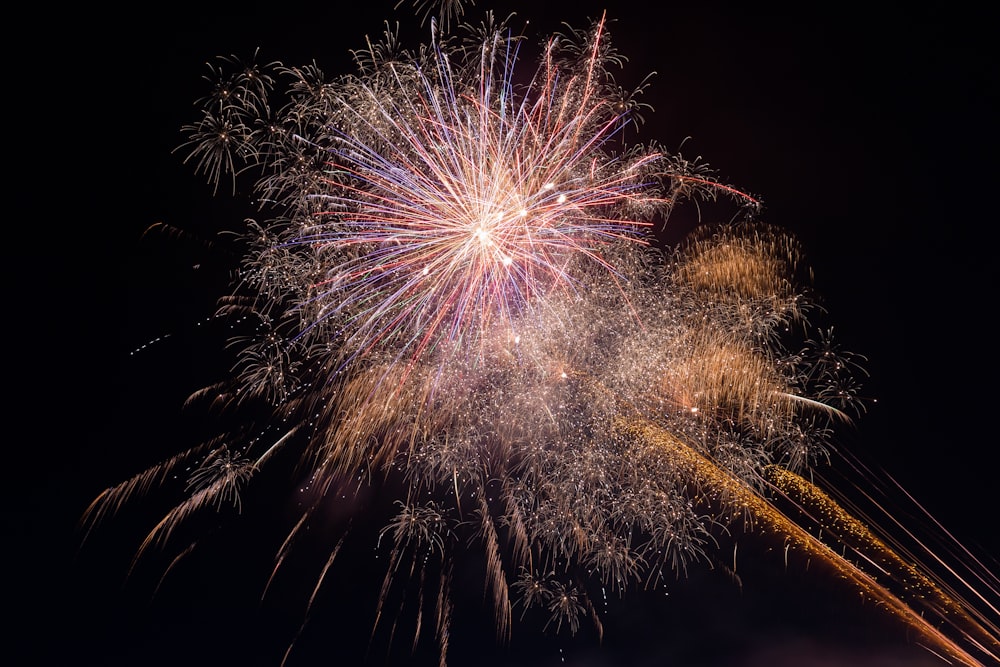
(772, 520)
(920, 590)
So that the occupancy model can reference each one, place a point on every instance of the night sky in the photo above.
(870, 134)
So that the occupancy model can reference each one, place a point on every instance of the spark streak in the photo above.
(764, 516)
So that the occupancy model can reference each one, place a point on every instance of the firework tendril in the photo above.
(453, 292)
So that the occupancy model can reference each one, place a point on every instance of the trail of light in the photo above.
(988, 579)
(915, 584)
(765, 516)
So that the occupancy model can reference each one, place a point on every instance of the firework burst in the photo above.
(453, 295)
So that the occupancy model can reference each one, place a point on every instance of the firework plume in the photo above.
(452, 296)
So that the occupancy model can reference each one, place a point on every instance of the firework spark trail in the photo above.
(765, 517)
(984, 578)
(914, 589)
(971, 589)
(457, 295)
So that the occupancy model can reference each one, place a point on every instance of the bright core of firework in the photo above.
(460, 200)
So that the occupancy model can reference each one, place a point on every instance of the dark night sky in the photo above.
(869, 134)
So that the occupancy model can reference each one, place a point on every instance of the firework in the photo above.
(453, 294)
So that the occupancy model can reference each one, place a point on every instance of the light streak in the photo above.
(917, 593)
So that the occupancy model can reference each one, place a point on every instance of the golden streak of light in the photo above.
(915, 585)
(768, 519)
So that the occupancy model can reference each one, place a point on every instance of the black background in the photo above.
(869, 133)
